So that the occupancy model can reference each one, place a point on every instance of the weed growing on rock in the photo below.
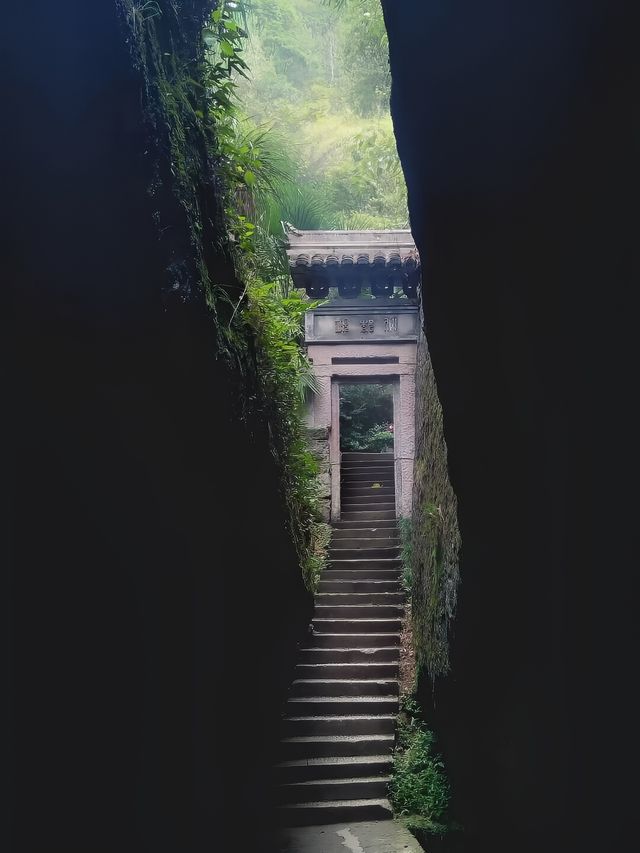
(419, 788)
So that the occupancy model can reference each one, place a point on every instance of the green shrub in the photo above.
(317, 554)
(419, 789)
(376, 439)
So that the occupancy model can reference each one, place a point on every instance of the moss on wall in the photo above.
(184, 187)
(435, 537)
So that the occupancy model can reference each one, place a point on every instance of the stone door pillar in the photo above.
(404, 452)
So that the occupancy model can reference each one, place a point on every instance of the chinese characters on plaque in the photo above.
(367, 325)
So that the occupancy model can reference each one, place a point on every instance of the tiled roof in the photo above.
(350, 260)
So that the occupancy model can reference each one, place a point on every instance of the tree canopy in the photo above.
(319, 81)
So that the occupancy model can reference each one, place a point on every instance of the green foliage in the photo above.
(419, 788)
(368, 178)
(257, 174)
(364, 56)
(286, 378)
(318, 554)
(366, 412)
(377, 439)
(320, 75)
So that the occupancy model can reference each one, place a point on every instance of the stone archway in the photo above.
(369, 341)
(367, 333)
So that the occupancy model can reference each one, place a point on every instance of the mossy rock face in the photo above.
(435, 536)
(186, 195)
(318, 433)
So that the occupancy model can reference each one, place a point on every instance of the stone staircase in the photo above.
(339, 725)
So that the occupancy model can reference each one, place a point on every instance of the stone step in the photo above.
(353, 506)
(370, 515)
(369, 641)
(376, 496)
(374, 575)
(344, 655)
(365, 455)
(372, 462)
(345, 687)
(382, 552)
(374, 487)
(351, 525)
(358, 486)
(364, 533)
(365, 670)
(367, 503)
(351, 470)
(347, 464)
(367, 483)
(365, 565)
(359, 543)
(326, 599)
(368, 476)
(335, 811)
(309, 706)
(351, 464)
(323, 790)
(386, 547)
(358, 611)
(359, 585)
(315, 746)
(372, 500)
(367, 500)
(335, 767)
(356, 626)
(378, 724)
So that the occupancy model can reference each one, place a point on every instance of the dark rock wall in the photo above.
(515, 124)
(154, 594)
(435, 534)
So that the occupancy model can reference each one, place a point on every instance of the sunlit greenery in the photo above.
(258, 177)
(297, 99)
(319, 76)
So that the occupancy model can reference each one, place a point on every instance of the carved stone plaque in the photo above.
(380, 323)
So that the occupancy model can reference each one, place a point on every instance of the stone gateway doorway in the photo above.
(365, 333)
